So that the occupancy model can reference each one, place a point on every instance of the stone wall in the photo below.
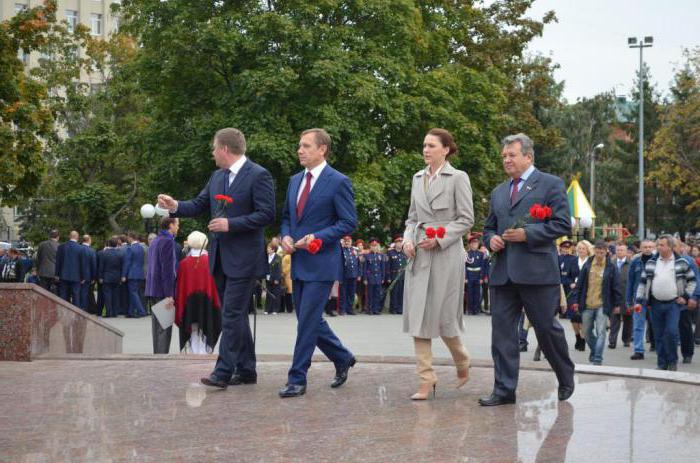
(34, 321)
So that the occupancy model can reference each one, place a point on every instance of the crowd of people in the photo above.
(601, 284)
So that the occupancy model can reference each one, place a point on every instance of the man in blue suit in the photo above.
(133, 274)
(69, 269)
(320, 205)
(526, 272)
(237, 255)
(89, 258)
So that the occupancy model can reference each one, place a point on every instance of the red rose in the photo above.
(440, 232)
(541, 213)
(547, 212)
(533, 210)
(228, 199)
(430, 232)
(638, 308)
(315, 246)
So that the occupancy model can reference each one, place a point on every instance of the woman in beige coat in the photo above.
(441, 196)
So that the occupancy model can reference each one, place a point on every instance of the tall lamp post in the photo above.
(599, 146)
(147, 212)
(647, 42)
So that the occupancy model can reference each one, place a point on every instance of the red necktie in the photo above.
(304, 195)
(514, 193)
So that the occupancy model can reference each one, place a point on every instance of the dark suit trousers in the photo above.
(135, 306)
(617, 320)
(396, 301)
(538, 301)
(236, 349)
(70, 291)
(347, 294)
(111, 298)
(310, 298)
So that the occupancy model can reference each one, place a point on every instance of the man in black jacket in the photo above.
(623, 317)
(597, 296)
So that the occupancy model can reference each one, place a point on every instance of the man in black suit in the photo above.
(89, 257)
(46, 262)
(69, 269)
(237, 250)
(110, 272)
(525, 273)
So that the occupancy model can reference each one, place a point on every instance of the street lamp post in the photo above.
(147, 212)
(647, 42)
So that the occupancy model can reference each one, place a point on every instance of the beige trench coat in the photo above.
(434, 281)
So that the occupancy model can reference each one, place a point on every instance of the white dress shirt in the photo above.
(235, 168)
(315, 172)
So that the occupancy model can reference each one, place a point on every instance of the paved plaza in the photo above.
(383, 336)
(155, 411)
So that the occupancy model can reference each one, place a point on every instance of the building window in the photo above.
(96, 24)
(72, 18)
(20, 7)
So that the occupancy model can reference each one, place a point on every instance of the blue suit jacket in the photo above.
(69, 262)
(110, 265)
(329, 214)
(132, 267)
(242, 248)
(89, 258)
(534, 262)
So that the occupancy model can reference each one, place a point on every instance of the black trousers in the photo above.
(617, 320)
(685, 329)
(507, 304)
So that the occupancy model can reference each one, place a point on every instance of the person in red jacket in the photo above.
(198, 310)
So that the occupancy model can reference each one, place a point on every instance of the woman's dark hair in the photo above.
(446, 139)
(166, 222)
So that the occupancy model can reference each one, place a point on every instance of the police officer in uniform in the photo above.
(351, 275)
(374, 276)
(361, 289)
(396, 260)
(475, 274)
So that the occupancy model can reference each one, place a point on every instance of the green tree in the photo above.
(674, 154)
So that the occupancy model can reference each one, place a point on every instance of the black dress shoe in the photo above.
(341, 374)
(637, 356)
(213, 381)
(494, 400)
(687, 359)
(612, 346)
(292, 390)
(565, 392)
(237, 380)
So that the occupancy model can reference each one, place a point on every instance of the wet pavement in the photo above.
(155, 410)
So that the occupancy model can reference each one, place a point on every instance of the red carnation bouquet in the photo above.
(223, 201)
(431, 232)
(536, 213)
(315, 245)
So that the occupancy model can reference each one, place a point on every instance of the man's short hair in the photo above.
(670, 240)
(133, 235)
(53, 234)
(231, 138)
(321, 137)
(86, 238)
(112, 242)
(527, 146)
(166, 222)
(600, 244)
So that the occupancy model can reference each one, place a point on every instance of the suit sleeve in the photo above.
(559, 225)
(464, 211)
(263, 206)
(168, 270)
(617, 293)
(195, 206)
(344, 201)
(59, 261)
(285, 229)
(126, 262)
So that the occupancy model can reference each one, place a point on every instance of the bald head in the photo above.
(74, 235)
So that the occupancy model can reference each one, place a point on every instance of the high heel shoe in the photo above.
(424, 391)
(462, 377)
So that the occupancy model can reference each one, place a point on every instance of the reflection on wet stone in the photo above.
(155, 410)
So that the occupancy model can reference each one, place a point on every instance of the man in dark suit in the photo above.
(133, 274)
(69, 269)
(89, 258)
(320, 205)
(525, 273)
(237, 254)
(109, 272)
(46, 262)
